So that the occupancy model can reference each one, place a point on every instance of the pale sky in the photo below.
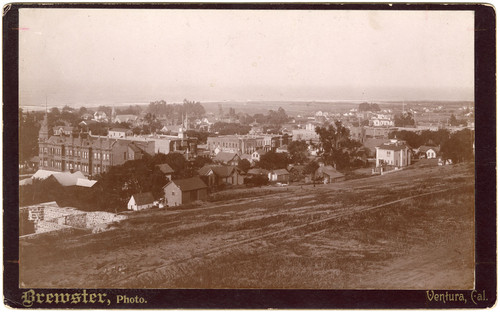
(105, 56)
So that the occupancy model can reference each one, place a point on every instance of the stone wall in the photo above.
(76, 220)
(99, 217)
(62, 219)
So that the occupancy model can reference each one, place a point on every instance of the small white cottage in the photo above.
(141, 201)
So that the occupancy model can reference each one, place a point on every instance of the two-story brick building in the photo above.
(86, 153)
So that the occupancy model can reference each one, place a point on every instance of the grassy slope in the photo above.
(276, 239)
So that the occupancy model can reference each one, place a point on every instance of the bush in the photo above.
(257, 180)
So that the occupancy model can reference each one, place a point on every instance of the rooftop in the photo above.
(143, 198)
(190, 184)
(225, 156)
(280, 171)
(221, 171)
(165, 168)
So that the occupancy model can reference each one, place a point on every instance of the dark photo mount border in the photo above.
(485, 199)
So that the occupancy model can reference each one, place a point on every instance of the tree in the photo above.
(311, 169)
(259, 118)
(416, 140)
(194, 110)
(298, 151)
(366, 107)
(201, 161)
(272, 161)
(28, 136)
(256, 180)
(296, 175)
(83, 110)
(277, 117)
(244, 165)
(224, 128)
(200, 135)
(453, 120)
(404, 120)
(459, 147)
(331, 140)
(175, 160)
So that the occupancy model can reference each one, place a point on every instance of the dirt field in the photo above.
(407, 230)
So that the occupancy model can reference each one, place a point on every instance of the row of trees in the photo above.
(456, 146)
(368, 107)
(425, 137)
(226, 128)
(193, 110)
(404, 120)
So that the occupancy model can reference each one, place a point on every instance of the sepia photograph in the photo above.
(278, 149)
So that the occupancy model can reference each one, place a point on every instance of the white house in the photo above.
(394, 153)
(257, 154)
(141, 201)
(119, 133)
(125, 118)
(100, 116)
(429, 152)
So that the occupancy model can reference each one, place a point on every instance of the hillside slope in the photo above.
(408, 230)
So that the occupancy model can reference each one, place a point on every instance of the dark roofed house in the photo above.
(141, 201)
(219, 175)
(329, 174)
(166, 170)
(184, 191)
(279, 175)
(227, 158)
(258, 172)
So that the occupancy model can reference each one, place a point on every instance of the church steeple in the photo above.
(43, 134)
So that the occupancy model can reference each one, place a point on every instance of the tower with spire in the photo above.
(43, 134)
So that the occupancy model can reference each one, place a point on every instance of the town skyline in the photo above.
(99, 56)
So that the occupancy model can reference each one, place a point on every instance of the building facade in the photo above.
(245, 144)
(86, 153)
(394, 153)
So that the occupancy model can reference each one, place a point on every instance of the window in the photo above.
(388, 153)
